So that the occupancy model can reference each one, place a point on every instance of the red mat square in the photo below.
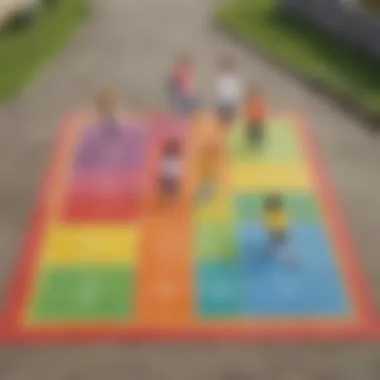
(101, 208)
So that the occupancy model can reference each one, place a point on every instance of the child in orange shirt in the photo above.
(209, 165)
(256, 113)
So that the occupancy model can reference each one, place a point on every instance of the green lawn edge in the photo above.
(26, 50)
(304, 49)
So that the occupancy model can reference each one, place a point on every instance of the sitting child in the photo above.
(228, 92)
(255, 111)
(171, 169)
(209, 165)
(277, 224)
(182, 86)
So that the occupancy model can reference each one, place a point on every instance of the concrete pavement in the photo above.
(131, 44)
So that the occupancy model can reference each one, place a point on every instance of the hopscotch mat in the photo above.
(103, 260)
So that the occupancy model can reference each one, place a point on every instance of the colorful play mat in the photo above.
(104, 259)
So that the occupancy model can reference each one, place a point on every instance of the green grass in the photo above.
(305, 49)
(25, 50)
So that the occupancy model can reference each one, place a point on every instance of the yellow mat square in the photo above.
(270, 177)
(216, 209)
(67, 245)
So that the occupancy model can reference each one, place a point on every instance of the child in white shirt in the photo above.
(171, 169)
(228, 91)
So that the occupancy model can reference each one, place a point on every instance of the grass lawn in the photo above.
(305, 49)
(25, 50)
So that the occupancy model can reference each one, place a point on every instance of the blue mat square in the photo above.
(275, 288)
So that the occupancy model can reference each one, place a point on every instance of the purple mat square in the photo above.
(114, 149)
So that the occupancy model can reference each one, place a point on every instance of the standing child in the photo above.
(209, 166)
(228, 91)
(182, 86)
(277, 224)
(256, 113)
(170, 169)
(108, 109)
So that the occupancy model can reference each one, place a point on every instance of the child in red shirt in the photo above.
(256, 114)
(182, 86)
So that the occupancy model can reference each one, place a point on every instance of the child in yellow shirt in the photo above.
(277, 223)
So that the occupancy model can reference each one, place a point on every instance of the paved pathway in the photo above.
(132, 43)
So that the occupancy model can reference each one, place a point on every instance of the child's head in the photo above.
(172, 148)
(107, 101)
(273, 202)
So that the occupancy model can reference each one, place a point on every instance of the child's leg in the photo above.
(255, 134)
(260, 133)
(190, 104)
(283, 248)
(226, 114)
(288, 253)
(274, 243)
(251, 135)
(206, 190)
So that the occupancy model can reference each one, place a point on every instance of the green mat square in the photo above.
(78, 294)
(302, 207)
(280, 144)
(215, 243)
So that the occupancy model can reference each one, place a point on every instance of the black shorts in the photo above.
(226, 112)
(169, 186)
(278, 237)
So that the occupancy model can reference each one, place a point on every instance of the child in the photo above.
(182, 86)
(255, 110)
(277, 224)
(108, 112)
(228, 91)
(210, 158)
(171, 168)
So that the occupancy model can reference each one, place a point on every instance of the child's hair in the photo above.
(273, 202)
(172, 148)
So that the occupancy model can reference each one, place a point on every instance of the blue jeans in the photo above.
(182, 104)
